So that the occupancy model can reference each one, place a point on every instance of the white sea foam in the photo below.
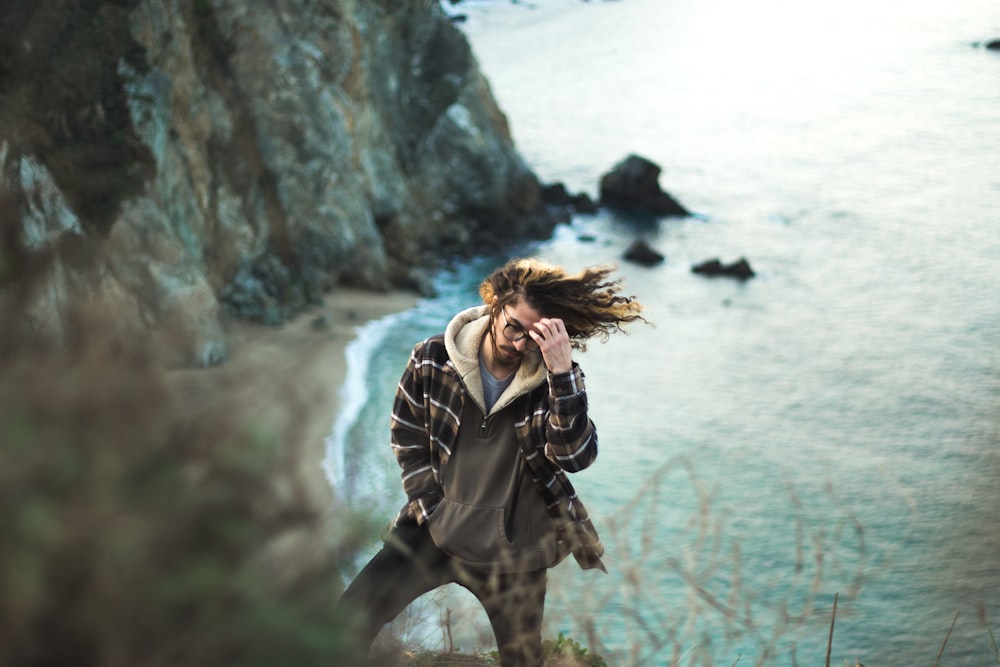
(353, 395)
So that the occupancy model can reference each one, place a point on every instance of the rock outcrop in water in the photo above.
(180, 157)
(634, 185)
(740, 269)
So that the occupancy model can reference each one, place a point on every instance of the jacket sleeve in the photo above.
(570, 435)
(410, 441)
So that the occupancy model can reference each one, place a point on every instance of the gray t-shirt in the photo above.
(492, 387)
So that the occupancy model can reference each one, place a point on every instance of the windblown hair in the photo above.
(588, 302)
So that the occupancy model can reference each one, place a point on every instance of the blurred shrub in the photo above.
(567, 652)
(562, 651)
(134, 534)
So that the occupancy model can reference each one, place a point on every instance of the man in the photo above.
(488, 419)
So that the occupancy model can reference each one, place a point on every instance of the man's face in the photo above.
(510, 333)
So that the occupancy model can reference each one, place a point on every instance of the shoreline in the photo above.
(286, 383)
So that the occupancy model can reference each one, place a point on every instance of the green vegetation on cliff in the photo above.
(63, 100)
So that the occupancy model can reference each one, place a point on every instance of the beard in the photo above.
(505, 355)
(508, 356)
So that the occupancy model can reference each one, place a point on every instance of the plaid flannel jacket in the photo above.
(553, 431)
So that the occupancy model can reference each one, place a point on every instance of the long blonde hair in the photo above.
(588, 302)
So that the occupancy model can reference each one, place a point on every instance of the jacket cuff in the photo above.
(569, 383)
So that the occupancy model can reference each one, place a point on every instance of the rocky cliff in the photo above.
(187, 158)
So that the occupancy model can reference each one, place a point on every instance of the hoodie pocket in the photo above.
(472, 534)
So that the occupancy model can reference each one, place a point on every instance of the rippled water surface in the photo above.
(831, 427)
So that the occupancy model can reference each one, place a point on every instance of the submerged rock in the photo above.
(991, 45)
(640, 252)
(633, 184)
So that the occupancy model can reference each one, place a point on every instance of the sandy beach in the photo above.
(286, 381)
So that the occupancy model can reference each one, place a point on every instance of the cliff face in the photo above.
(181, 157)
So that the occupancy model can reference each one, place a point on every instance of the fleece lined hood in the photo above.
(463, 337)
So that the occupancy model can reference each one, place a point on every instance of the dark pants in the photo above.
(410, 565)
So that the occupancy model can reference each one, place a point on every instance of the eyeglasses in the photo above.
(511, 331)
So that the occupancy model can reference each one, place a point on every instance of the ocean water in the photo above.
(828, 429)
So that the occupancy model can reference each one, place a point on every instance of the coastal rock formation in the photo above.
(179, 159)
(739, 269)
(557, 196)
(633, 184)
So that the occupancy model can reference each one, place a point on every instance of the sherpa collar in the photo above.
(463, 337)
